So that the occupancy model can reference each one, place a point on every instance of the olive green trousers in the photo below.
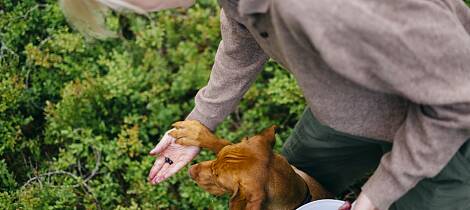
(338, 160)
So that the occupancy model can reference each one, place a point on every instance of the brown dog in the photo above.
(249, 171)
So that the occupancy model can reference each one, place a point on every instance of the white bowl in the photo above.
(325, 204)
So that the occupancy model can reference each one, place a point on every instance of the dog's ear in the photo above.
(253, 199)
(237, 202)
(269, 135)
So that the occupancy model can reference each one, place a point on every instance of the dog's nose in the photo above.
(193, 171)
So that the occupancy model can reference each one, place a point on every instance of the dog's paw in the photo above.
(190, 133)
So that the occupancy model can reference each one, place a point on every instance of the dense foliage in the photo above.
(78, 116)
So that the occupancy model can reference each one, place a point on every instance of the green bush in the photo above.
(78, 116)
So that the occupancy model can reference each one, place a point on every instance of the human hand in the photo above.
(362, 203)
(345, 206)
(179, 155)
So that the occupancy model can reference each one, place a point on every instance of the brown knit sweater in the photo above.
(395, 70)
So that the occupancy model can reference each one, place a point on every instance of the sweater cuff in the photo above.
(383, 188)
(196, 115)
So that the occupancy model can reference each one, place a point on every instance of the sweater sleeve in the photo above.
(238, 61)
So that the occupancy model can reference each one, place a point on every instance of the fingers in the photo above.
(160, 175)
(163, 144)
(168, 171)
(345, 206)
(156, 168)
(177, 167)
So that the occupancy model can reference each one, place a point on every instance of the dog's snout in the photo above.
(193, 171)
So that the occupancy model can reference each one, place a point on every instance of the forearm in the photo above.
(238, 61)
(227, 85)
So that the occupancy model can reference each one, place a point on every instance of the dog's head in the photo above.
(240, 170)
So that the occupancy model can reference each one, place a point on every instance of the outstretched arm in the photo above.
(238, 61)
